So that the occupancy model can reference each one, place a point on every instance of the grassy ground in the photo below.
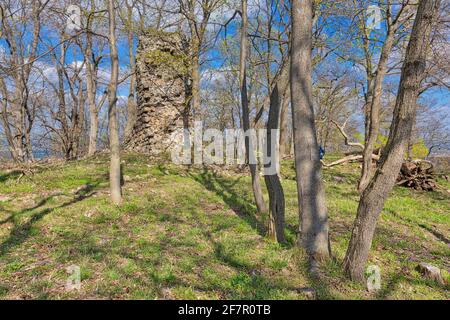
(193, 234)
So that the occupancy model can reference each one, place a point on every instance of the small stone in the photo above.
(310, 293)
(89, 213)
(430, 272)
(338, 179)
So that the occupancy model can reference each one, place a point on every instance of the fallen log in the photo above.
(347, 159)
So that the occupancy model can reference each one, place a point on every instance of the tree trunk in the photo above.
(273, 184)
(373, 113)
(249, 143)
(373, 198)
(284, 139)
(311, 193)
(114, 170)
(93, 129)
(195, 100)
(91, 94)
(131, 104)
(79, 127)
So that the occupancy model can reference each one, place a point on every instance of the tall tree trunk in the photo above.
(5, 121)
(373, 111)
(93, 112)
(80, 122)
(372, 199)
(93, 129)
(274, 187)
(195, 74)
(249, 143)
(114, 170)
(91, 89)
(310, 190)
(17, 120)
(284, 139)
(131, 104)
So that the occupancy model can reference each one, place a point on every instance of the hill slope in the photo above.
(193, 234)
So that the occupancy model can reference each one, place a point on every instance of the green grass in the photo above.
(186, 233)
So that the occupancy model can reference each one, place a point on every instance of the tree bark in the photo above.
(310, 190)
(284, 139)
(18, 127)
(91, 89)
(373, 198)
(131, 104)
(375, 86)
(374, 111)
(249, 143)
(273, 184)
(195, 74)
(114, 170)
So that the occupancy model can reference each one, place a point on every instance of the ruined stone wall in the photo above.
(162, 88)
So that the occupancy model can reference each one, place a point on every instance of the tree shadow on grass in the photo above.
(436, 233)
(39, 204)
(396, 279)
(9, 175)
(21, 232)
(321, 287)
(248, 283)
(238, 203)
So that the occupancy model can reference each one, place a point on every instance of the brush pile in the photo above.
(417, 175)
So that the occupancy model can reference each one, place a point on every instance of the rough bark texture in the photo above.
(273, 184)
(91, 88)
(311, 194)
(374, 111)
(195, 75)
(131, 103)
(114, 169)
(282, 81)
(375, 86)
(284, 137)
(256, 184)
(162, 88)
(373, 198)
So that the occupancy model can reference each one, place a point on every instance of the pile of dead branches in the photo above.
(417, 175)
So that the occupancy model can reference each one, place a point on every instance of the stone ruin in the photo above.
(163, 91)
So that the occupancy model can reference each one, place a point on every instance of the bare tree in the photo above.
(310, 190)
(375, 81)
(17, 113)
(274, 187)
(373, 198)
(249, 141)
(197, 14)
(131, 102)
(68, 118)
(92, 63)
(285, 137)
(114, 170)
(433, 127)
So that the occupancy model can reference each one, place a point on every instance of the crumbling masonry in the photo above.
(163, 91)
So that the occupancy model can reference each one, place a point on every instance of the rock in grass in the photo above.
(430, 272)
(309, 293)
(339, 179)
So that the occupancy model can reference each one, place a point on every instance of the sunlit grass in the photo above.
(190, 233)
